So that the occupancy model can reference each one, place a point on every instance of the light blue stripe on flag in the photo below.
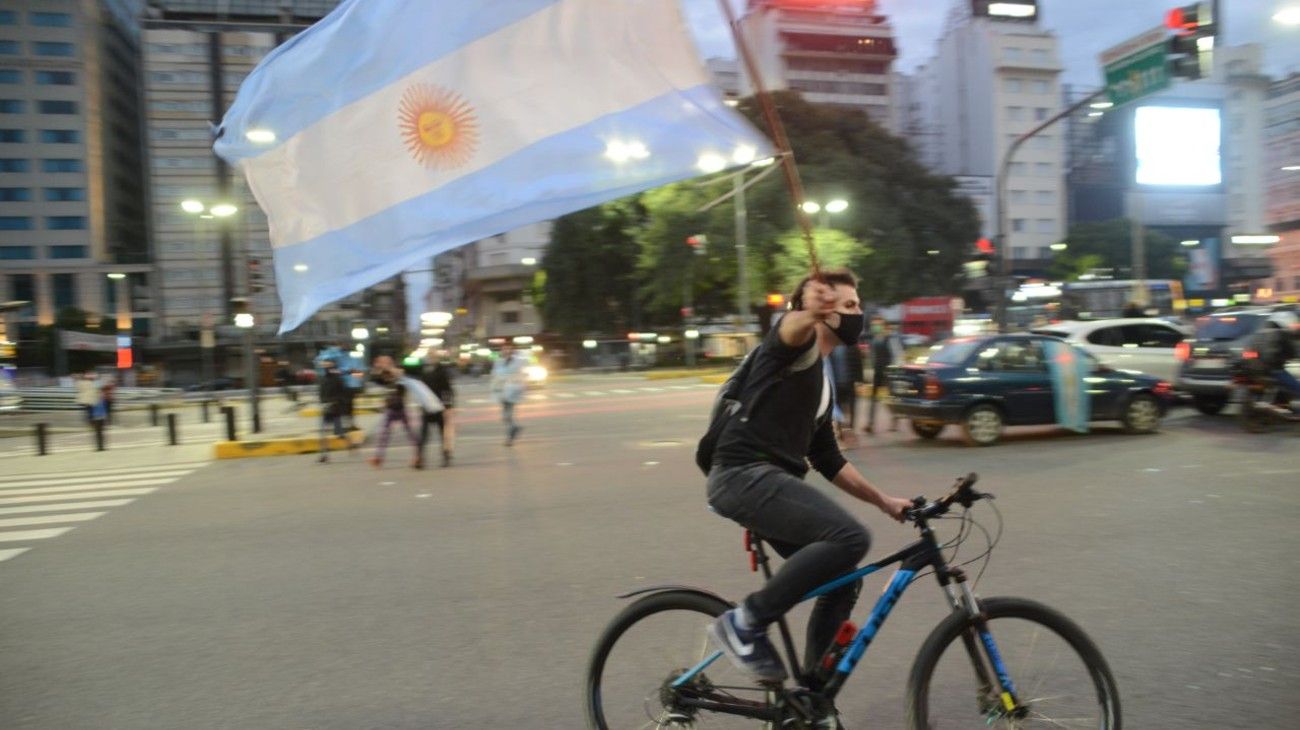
(414, 32)
(1070, 369)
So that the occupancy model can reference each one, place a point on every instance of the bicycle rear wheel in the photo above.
(1060, 679)
(648, 645)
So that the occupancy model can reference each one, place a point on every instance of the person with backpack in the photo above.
(758, 449)
(1275, 347)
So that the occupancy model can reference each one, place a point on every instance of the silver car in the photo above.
(1147, 345)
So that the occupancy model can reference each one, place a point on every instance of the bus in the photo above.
(1108, 298)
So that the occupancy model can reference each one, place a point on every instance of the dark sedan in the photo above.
(987, 383)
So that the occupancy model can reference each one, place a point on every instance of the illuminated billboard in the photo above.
(1177, 146)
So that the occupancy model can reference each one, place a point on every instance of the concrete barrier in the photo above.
(285, 446)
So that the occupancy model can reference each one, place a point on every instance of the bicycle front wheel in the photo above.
(653, 642)
(1057, 677)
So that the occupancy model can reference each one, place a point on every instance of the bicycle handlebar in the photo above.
(962, 493)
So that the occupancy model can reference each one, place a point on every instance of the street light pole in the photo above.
(245, 321)
(742, 246)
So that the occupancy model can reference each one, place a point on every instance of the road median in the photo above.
(284, 446)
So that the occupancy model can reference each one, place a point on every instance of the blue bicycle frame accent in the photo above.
(893, 591)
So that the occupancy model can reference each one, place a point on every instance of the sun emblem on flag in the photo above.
(438, 126)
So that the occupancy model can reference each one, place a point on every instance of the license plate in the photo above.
(1211, 363)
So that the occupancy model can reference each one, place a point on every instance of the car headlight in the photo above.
(535, 374)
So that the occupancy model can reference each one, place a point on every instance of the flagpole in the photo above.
(777, 130)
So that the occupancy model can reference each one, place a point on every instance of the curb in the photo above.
(312, 412)
(288, 446)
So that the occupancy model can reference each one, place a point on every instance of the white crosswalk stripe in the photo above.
(42, 506)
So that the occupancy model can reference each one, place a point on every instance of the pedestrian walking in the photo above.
(438, 377)
(886, 350)
(389, 376)
(508, 388)
(333, 396)
(846, 369)
(87, 392)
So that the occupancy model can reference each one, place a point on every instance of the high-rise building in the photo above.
(993, 78)
(831, 52)
(1281, 151)
(71, 174)
(490, 282)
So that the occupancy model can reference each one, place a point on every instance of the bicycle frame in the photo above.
(912, 560)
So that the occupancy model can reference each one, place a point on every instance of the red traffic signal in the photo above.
(984, 245)
(693, 241)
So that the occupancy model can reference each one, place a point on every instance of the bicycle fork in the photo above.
(983, 652)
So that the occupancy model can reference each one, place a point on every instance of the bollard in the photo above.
(171, 430)
(205, 402)
(40, 439)
(257, 416)
(98, 425)
(230, 422)
(153, 414)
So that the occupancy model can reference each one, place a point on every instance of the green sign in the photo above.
(1136, 68)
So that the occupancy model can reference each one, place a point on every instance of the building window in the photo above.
(1018, 252)
(60, 136)
(1040, 113)
(15, 223)
(55, 78)
(17, 253)
(13, 136)
(1039, 55)
(50, 20)
(1017, 168)
(11, 76)
(1011, 53)
(9, 48)
(11, 164)
(1040, 86)
(67, 252)
(1015, 113)
(1018, 226)
(61, 165)
(1043, 169)
(52, 48)
(1045, 225)
(64, 195)
(65, 223)
(12, 106)
(57, 107)
(1012, 85)
(8, 17)
(1018, 196)
(509, 318)
(15, 195)
(1045, 197)
(65, 291)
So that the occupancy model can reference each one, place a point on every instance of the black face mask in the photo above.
(850, 328)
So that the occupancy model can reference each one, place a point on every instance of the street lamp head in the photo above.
(360, 333)
(839, 205)
(224, 210)
(1059, 246)
(192, 206)
(710, 162)
(1190, 242)
(116, 275)
(244, 320)
(810, 207)
(528, 261)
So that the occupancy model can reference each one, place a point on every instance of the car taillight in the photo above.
(1249, 355)
(932, 388)
(1162, 389)
(1182, 351)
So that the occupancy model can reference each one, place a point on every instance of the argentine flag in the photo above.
(394, 130)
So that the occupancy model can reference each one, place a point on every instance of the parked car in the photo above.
(1145, 345)
(987, 383)
(1208, 355)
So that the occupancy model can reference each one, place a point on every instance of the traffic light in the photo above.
(699, 243)
(984, 246)
(254, 275)
(775, 300)
(1190, 49)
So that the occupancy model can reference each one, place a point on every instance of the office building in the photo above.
(992, 78)
(71, 172)
(1281, 151)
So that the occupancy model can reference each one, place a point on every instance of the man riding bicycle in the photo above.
(758, 468)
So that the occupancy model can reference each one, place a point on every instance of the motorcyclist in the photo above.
(1275, 347)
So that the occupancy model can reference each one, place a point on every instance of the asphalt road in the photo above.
(280, 593)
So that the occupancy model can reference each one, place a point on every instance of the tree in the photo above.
(587, 279)
(1108, 245)
(835, 249)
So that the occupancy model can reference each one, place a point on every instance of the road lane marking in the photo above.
(50, 519)
(623, 390)
(653, 390)
(594, 392)
(79, 495)
(26, 535)
(10, 492)
(138, 471)
(566, 395)
(56, 484)
(6, 554)
(65, 506)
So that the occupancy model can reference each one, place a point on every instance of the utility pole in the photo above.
(742, 245)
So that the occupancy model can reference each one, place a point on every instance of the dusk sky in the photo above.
(1083, 27)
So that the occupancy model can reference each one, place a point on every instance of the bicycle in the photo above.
(688, 687)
